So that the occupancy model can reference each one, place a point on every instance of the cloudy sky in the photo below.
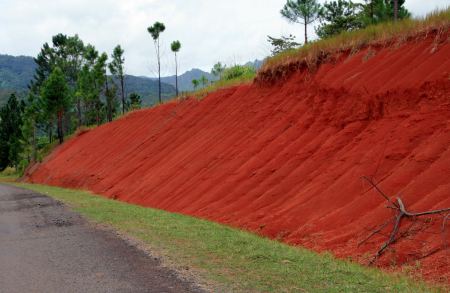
(231, 31)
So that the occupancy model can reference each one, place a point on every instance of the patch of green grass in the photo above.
(233, 76)
(9, 175)
(234, 259)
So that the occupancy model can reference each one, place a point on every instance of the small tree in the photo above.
(282, 44)
(135, 101)
(55, 94)
(218, 70)
(155, 31)
(204, 81)
(117, 69)
(301, 11)
(175, 46)
(195, 83)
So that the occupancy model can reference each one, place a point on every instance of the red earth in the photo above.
(286, 160)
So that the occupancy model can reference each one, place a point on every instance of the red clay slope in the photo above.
(286, 160)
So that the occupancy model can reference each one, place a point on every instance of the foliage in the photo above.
(284, 43)
(238, 71)
(301, 11)
(377, 11)
(339, 16)
(195, 83)
(11, 120)
(55, 94)
(204, 81)
(175, 46)
(135, 102)
(218, 69)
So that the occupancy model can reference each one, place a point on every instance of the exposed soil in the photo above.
(45, 247)
(285, 160)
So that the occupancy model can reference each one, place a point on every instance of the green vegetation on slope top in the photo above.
(376, 34)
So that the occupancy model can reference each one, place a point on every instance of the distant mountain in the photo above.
(17, 72)
(147, 88)
(185, 79)
(255, 64)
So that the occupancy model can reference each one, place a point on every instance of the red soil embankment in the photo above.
(285, 160)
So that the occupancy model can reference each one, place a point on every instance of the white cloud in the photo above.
(230, 31)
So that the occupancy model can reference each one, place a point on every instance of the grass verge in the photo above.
(234, 259)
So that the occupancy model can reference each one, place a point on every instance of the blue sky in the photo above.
(231, 31)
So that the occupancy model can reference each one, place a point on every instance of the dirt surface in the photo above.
(44, 247)
(285, 160)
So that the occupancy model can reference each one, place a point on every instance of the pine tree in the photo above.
(301, 11)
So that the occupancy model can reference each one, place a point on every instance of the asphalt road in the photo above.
(45, 247)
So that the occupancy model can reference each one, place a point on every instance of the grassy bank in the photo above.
(234, 259)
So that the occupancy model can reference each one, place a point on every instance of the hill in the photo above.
(17, 72)
(283, 156)
(185, 79)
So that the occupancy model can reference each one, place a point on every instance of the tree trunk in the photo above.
(371, 11)
(80, 122)
(306, 33)
(34, 153)
(108, 101)
(159, 75)
(60, 126)
(176, 74)
(50, 131)
(395, 10)
(123, 92)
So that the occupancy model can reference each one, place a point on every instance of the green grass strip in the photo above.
(231, 258)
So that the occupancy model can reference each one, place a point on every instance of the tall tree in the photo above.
(339, 16)
(117, 69)
(56, 96)
(11, 119)
(33, 115)
(175, 46)
(218, 70)
(301, 11)
(155, 30)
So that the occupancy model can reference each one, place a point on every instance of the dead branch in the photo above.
(400, 213)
